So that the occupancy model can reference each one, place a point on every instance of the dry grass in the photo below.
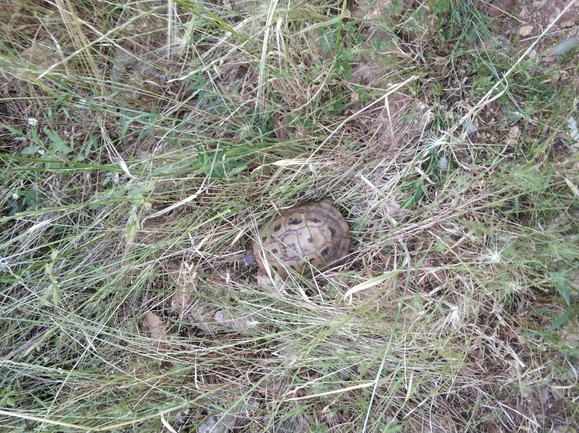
(144, 143)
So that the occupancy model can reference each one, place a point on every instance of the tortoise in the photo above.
(311, 235)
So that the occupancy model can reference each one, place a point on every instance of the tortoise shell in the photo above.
(312, 235)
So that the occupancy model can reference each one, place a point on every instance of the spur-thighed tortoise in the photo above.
(312, 235)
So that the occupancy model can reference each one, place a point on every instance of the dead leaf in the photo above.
(181, 303)
(500, 8)
(155, 326)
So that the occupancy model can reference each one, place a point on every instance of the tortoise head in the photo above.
(248, 260)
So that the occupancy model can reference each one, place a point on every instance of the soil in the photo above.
(528, 19)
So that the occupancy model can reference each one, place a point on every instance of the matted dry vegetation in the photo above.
(143, 144)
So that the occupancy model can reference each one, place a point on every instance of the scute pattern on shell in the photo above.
(313, 234)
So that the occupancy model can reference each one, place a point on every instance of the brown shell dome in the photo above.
(312, 235)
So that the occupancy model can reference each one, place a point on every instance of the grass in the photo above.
(142, 146)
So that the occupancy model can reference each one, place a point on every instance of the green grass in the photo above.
(141, 150)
